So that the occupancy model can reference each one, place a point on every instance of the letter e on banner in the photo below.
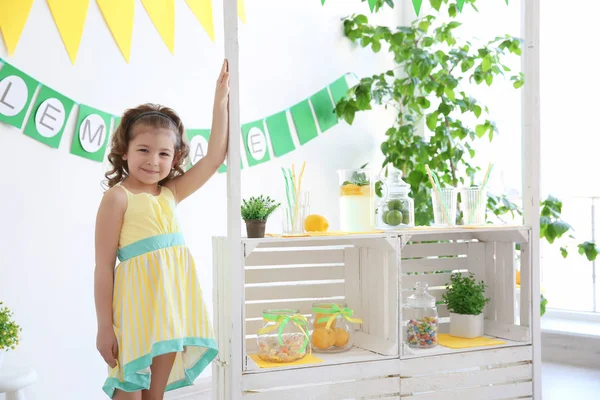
(50, 117)
(257, 143)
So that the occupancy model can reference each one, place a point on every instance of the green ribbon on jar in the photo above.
(281, 320)
(336, 311)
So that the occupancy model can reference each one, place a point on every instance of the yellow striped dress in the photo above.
(157, 303)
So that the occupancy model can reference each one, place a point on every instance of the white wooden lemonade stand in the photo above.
(374, 274)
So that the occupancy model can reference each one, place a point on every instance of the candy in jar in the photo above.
(421, 315)
(283, 337)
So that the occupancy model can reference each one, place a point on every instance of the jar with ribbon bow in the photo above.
(331, 327)
(283, 337)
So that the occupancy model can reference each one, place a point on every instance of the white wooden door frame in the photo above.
(530, 120)
(230, 23)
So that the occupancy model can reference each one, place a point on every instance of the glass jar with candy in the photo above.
(421, 315)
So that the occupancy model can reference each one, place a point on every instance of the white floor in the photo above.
(565, 382)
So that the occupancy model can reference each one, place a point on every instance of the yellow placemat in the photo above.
(461, 343)
(309, 359)
(328, 233)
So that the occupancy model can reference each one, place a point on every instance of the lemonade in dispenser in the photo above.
(357, 209)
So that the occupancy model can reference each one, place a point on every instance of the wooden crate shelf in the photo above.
(374, 274)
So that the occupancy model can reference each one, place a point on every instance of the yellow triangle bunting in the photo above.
(242, 11)
(118, 15)
(202, 9)
(13, 15)
(69, 16)
(162, 14)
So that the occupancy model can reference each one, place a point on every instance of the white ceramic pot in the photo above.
(2, 352)
(466, 326)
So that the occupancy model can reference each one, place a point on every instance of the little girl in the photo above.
(153, 327)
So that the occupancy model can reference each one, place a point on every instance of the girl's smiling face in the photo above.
(151, 154)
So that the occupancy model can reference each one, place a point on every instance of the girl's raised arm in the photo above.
(200, 173)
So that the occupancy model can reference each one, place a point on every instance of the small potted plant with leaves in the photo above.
(465, 298)
(9, 332)
(255, 212)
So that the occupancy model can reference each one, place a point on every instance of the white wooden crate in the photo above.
(361, 272)
(432, 257)
(373, 274)
(490, 374)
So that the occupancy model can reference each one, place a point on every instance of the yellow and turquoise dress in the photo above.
(157, 303)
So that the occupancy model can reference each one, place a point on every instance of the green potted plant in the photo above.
(255, 212)
(9, 332)
(465, 298)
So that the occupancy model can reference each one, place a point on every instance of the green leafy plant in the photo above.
(427, 87)
(543, 304)
(553, 228)
(258, 208)
(590, 249)
(464, 295)
(9, 330)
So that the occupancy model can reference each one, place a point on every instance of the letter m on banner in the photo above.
(91, 133)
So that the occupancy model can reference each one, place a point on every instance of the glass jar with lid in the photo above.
(394, 209)
(283, 336)
(421, 315)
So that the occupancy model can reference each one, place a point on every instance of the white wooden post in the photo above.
(532, 169)
(234, 372)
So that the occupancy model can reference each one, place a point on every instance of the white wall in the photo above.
(289, 50)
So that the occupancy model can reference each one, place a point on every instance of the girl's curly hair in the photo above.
(123, 135)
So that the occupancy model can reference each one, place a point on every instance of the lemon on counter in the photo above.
(316, 223)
